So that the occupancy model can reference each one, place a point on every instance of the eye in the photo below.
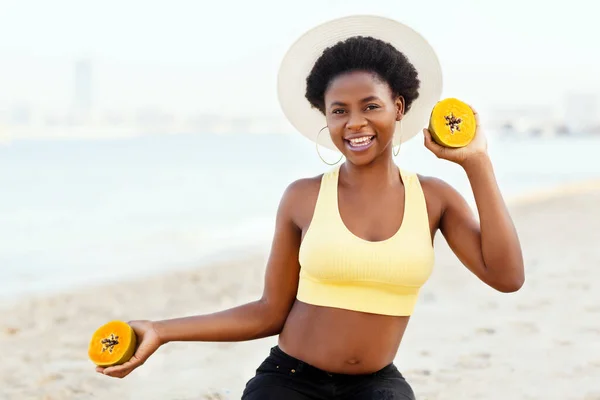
(338, 111)
(372, 106)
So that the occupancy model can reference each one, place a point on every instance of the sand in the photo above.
(464, 341)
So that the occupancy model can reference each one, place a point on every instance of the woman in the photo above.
(352, 247)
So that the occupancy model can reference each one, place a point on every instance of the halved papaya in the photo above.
(112, 344)
(452, 123)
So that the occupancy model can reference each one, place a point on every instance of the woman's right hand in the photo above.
(148, 342)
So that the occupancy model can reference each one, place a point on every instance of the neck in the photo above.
(381, 172)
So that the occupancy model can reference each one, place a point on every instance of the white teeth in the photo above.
(361, 141)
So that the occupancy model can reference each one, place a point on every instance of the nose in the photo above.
(356, 122)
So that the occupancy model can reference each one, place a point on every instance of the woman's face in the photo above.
(361, 115)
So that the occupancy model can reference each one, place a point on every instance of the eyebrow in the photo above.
(366, 99)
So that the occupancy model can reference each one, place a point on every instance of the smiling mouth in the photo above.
(360, 143)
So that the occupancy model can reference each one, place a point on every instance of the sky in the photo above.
(221, 57)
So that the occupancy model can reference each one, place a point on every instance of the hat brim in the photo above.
(302, 55)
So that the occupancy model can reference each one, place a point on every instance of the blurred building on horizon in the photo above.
(578, 114)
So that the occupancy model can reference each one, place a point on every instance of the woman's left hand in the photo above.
(476, 148)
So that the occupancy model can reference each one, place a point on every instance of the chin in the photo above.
(359, 161)
(362, 159)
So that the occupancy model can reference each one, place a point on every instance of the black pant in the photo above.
(283, 377)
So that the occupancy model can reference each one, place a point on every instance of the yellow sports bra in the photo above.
(341, 270)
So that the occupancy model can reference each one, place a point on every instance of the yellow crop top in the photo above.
(341, 270)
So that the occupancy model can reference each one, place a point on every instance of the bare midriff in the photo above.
(341, 341)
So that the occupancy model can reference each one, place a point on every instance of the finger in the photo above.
(429, 143)
(426, 136)
(476, 115)
(120, 374)
(133, 363)
(117, 369)
(100, 370)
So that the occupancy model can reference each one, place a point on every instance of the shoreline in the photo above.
(556, 191)
(235, 254)
(250, 250)
(467, 343)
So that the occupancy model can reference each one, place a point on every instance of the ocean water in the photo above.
(78, 211)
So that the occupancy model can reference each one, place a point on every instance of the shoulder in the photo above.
(440, 193)
(301, 188)
(299, 199)
(434, 186)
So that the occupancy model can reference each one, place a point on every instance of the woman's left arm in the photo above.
(490, 248)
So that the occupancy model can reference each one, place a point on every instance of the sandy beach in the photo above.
(464, 341)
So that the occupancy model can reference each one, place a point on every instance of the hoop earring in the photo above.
(317, 145)
(395, 153)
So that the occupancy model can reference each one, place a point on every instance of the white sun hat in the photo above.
(302, 55)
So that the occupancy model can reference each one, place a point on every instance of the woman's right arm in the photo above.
(261, 318)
